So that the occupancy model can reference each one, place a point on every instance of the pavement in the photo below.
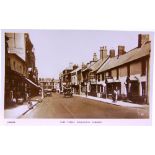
(118, 103)
(19, 110)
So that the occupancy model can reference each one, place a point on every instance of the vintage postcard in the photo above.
(76, 77)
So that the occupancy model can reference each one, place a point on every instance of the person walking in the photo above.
(86, 92)
(115, 94)
(29, 102)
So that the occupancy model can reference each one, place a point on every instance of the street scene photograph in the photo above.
(77, 74)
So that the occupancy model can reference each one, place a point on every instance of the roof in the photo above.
(76, 70)
(55, 80)
(130, 56)
(88, 66)
(97, 65)
(31, 82)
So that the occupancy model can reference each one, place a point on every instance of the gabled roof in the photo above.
(130, 56)
(98, 64)
(76, 70)
(88, 67)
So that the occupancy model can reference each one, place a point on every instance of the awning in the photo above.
(109, 80)
(116, 81)
(32, 83)
(131, 79)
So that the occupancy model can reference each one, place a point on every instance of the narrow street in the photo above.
(77, 107)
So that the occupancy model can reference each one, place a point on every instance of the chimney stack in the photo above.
(94, 57)
(112, 53)
(121, 50)
(142, 39)
(103, 52)
(75, 66)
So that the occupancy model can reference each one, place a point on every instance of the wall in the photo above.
(123, 71)
(16, 44)
(114, 73)
(135, 68)
(19, 65)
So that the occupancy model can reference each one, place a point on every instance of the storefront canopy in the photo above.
(109, 80)
(132, 79)
(32, 83)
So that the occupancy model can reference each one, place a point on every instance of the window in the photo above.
(101, 88)
(102, 76)
(98, 77)
(135, 88)
(143, 88)
(117, 73)
(109, 73)
(98, 88)
(143, 67)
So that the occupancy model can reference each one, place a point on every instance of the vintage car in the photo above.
(68, 92)
(47, 92)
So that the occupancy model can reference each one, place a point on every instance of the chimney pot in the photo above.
(95, 57)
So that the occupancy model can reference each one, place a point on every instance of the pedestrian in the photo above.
(86, 92)
(115, 94)
(29, 102)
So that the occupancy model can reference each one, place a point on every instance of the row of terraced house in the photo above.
(128, 71)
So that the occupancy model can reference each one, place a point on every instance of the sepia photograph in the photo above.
(77, 77)
(77, 74)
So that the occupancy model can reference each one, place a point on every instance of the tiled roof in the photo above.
(97, 65)
(76, 70)
(88, 67)
(130, 56)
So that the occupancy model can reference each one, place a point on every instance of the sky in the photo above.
(55, 49)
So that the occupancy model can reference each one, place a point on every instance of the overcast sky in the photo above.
(55, 49)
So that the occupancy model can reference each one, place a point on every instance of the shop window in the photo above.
(101, 88)
(143, 88)
(135, 88)
(98, 89)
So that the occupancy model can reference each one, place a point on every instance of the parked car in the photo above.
(68, 92)
(61, 92)
(54, 90)
(47, 92)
